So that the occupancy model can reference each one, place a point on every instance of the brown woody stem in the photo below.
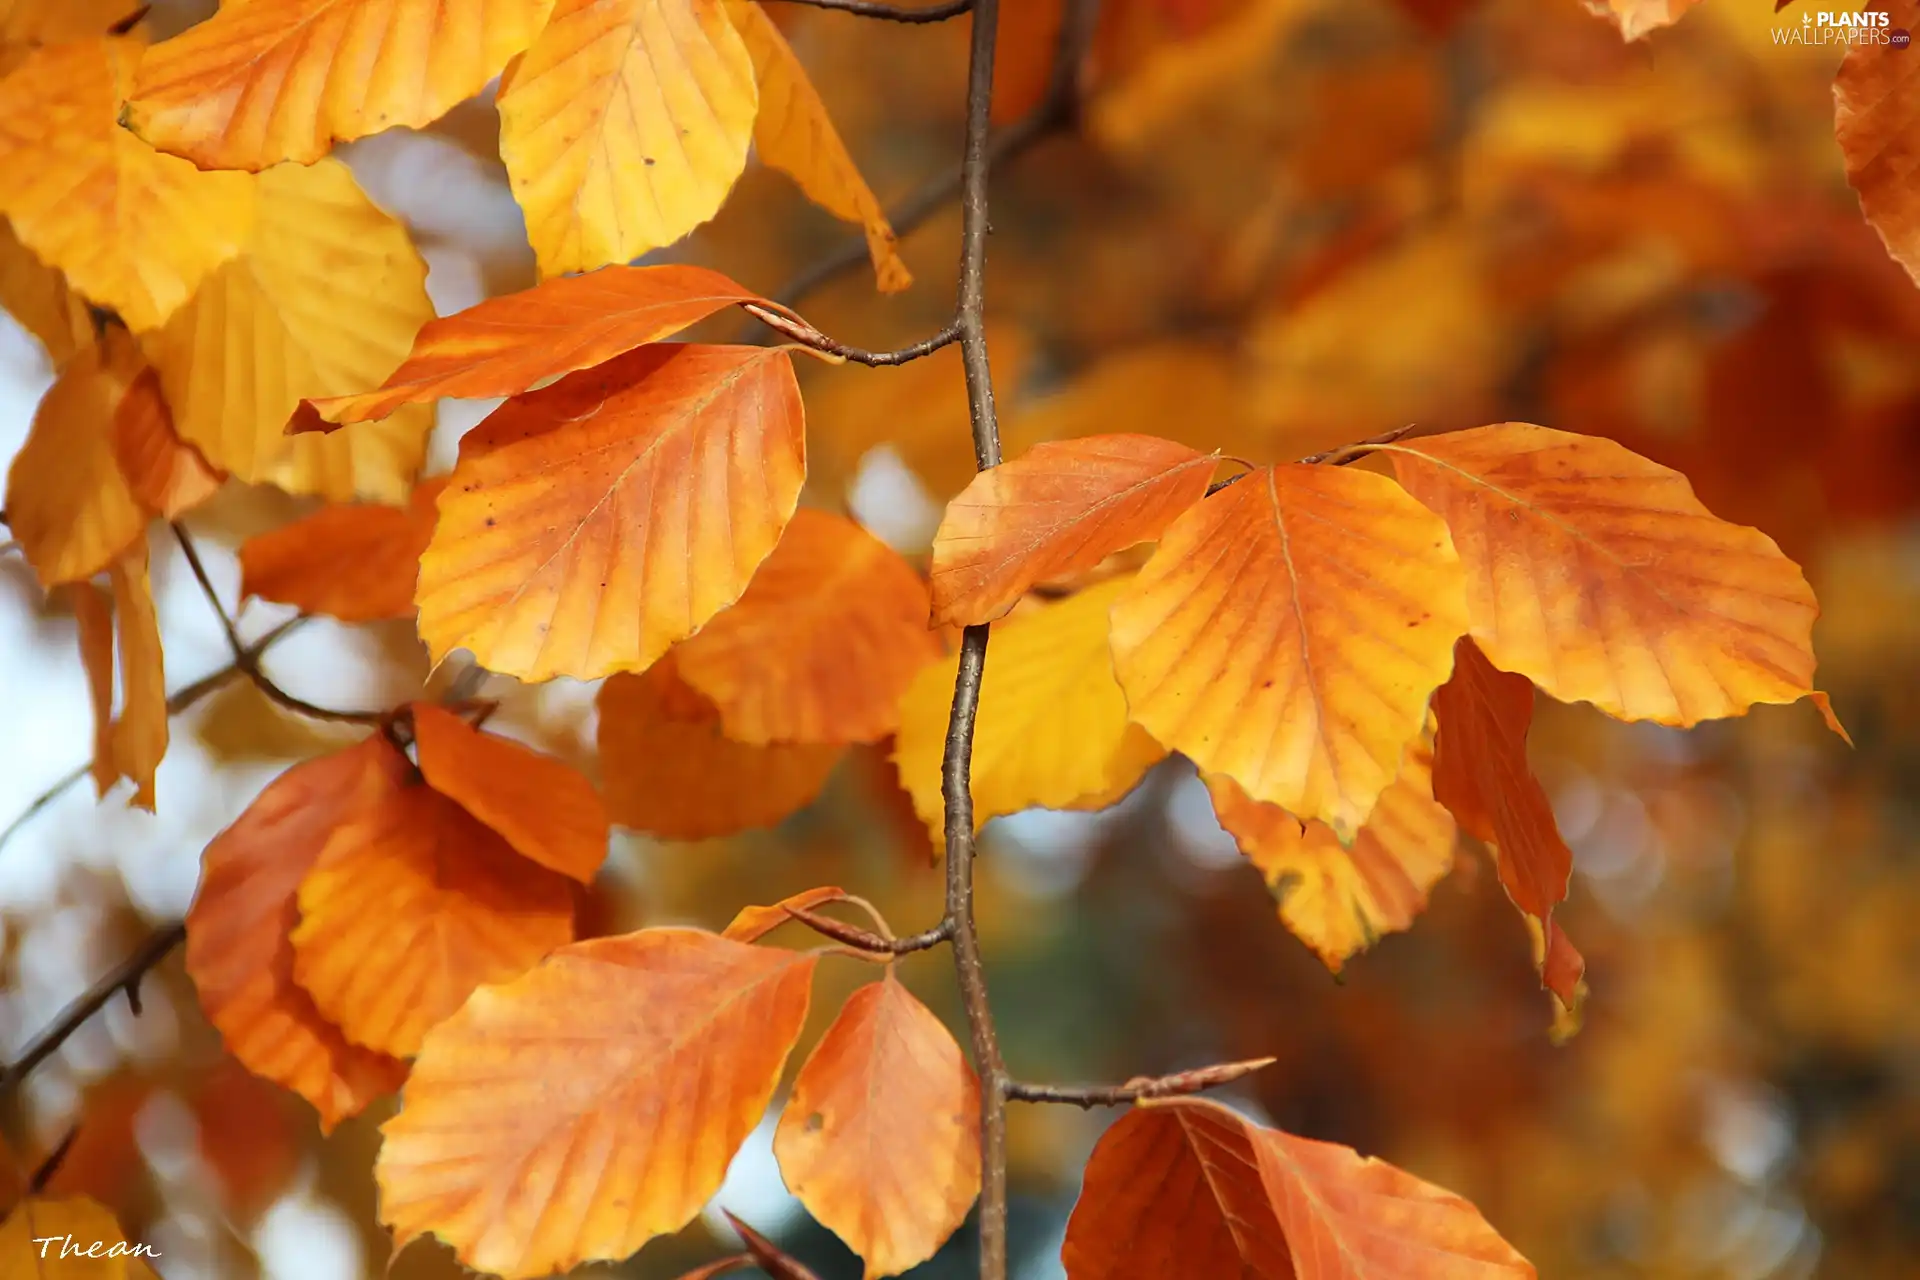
(890, 12)
(125, 976)
(1139, 1089)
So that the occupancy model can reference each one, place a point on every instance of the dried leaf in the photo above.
(70, 1239)
(880, 1138)
(139, 733)
(754, 923)
(546, 809)
(590, 525)
(357, 562)
(1052, 729)
(794, 134)
(411, 905)
(93, 620)
(1187, 1187)
(275, 80)
(68, 504)
(505, 345)
(624, 127)
(1339, 901)
(1875, 124)
(325, 299)
(671, 772)
(1288, 632)
(592, 1104)
(239, 952)
(1599, 576)
(769, 1257)
(1062, 507)
(134, 230)
(821, 645)
(166, 475)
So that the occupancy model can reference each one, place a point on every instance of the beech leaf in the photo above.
(358, 562)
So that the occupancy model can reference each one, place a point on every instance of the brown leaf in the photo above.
(1877, 127)
(357, 562)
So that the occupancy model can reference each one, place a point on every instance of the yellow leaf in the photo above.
(276, 80)
(67, 502)
(411, 905)
(1599, 576)
(38, 297)
(134, 230)
(93, 619)
(1288, 632)
(794, 134)
(1052, 729)
(592, 1104)
(624, 126)
(1340, 900)
(37, 22)
(70, 1239)
(591, 524)
(325, 300)
(140, 733)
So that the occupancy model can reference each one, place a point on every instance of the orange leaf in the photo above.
(355, 561)
(794, 134)
(166, 475)
(592, 1104)
(134, 230)
(826, 638)
(93, 619)
(239, 952)
(1188, 1188)
(411, 905)
(1599, 576)
(505, 345)
(1340, 900)
(139, 734)
(56, 21)
(1060, 508)
(590, 525)
(542, 806)
(670, 771)
(1480, 773)
(67, 502)
(880, 1139)
(275, 80)
(755, 923)
(1875, 124)
(1288, 632)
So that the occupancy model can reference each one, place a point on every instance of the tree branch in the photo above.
(808, 336)
(1139, 1088)
(890, 12)
(125, 977)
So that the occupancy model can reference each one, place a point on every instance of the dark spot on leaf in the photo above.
(649, 161)
(491, 522)
(816, 1122)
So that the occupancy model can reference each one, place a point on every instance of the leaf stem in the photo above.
(890, 12)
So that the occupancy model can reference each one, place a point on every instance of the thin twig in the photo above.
(890, 12)
(1138, 1089)
(808, 336)
(1338, 456)
(125, 977)
(866, 939)
(249, 663)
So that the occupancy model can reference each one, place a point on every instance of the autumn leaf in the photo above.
(1877, 127)
(38, 22)
(139, 734)
(593, 1103)
(1638, 18)
(880, 1138)
(325, 299)
(37, 296)
(68, 504)
(274, 80)
(546, 809)
(411, 905)
(1052, 728)
(239, 953)
(1340, 900)
(166, 475)
(506, 345)
(821, 645)
(1599, 576)
(1187, 1187)
(93, 623)
(624, 127)
(590, 525)
(134, 230)
(1288, 632)
(357, 562)
(1060, 508)
(38, 1231)
(670, 771)
(751, 924)
(793, 133)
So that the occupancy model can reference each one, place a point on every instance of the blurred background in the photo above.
(1280, 225)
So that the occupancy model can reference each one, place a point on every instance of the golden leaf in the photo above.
(139, 735)
(357, 562)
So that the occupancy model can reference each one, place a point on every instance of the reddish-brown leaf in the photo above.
(167, 475)
(1189, 1188)
(880, 1138)
(239, 951)
(358, 562)
(1877, 123)
(505, 345)
(592, 1104)
(545, 808)
(823, 643)
(1060, 508)
(754, 923)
